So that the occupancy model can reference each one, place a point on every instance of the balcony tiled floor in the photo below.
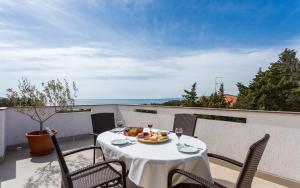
(19, 169)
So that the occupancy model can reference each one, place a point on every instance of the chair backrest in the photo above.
(251, 163)
(103, 122)
(187, 122)
(62, 163)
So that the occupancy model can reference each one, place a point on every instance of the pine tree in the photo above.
(277, 88)
(190, 97)
(217, 100)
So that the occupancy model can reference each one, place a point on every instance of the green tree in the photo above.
(203, 101)
(216, 99)
(277, 88)
(4, 102)
(173, 103)
(242, 101)
(190, 97)
(289, 57)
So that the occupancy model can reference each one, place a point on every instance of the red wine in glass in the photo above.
(150, 125)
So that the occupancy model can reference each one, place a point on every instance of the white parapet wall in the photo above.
(281, 158)
(2, 132)
(282, 155)
(67, 124)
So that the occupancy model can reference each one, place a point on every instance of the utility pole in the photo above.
(217, 82)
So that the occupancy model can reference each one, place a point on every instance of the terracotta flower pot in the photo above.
(39, 143)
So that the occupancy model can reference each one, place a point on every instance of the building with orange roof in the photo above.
(230, 99)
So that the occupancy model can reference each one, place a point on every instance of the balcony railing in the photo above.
(229, 138)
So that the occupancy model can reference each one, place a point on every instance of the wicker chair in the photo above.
(245, 178)
(187, 122)
(101, 122)
(95, 175)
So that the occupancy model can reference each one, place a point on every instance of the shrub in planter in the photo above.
(40, 105)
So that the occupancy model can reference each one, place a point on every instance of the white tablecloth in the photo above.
(149, 165)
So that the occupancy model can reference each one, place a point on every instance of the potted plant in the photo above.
(40, 104)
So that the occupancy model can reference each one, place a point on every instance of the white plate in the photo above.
(188, 149)
(119, 142)
(121, 129)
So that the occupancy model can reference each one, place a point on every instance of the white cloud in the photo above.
(118, 74)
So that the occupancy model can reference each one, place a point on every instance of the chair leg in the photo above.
(124, 182)
(94, 152)
(124, 185)
(94, 157)
(170, 177)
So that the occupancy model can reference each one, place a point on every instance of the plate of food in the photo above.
(153, 137)
(133, 131)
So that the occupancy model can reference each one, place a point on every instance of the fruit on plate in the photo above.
(153, 137)
(161, 137)
(143, 135)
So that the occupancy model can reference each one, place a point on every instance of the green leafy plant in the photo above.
(222, 118)
(33, 102)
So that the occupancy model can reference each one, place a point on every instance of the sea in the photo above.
(121, 101)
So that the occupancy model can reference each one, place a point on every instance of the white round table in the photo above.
(149, 164)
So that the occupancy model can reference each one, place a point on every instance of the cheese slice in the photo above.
(153, 138)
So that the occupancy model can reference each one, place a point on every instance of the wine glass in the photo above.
(150, 125)
(179, 132)
(119, 123)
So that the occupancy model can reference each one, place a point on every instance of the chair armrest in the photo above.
(100, 164)
(203, 182)
(81, 149)
(227, 159)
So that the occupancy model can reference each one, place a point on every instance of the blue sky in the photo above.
(143, 48)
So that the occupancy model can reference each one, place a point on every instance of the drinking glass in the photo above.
(179, 132)
(150, 125)
(119, 123)
(119, 126)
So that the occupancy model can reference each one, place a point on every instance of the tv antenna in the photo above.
(218, 81)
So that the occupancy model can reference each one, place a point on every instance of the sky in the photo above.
(143, 48)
